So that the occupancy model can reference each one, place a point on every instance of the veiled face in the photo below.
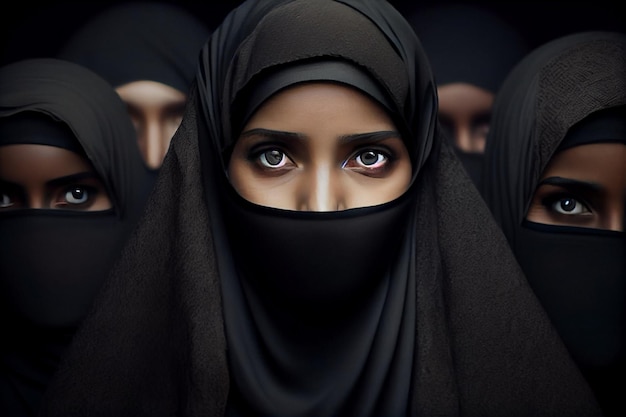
(583, 186)
(320, 147)
(465, 113)
(156, 110)
(48, 177)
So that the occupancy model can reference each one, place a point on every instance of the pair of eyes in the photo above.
(73, 197)
(368, 161)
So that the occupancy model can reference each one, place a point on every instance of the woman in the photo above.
(555, 179)
(471, 50)
(316, 268)
(148, 52)
(69, 188)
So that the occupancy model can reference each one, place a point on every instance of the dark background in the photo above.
(36, 29)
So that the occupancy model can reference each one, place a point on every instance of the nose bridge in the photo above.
(616, 218)
(36, 198)
(463, 137)
(321, 192)
(154, 141)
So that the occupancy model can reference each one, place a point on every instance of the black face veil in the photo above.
(200, 330)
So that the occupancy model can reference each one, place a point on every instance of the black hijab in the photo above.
(140, 41)
(469, 44)
(568, 92)
(53, 262)
(189, 326)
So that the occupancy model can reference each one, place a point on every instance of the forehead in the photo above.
(321, 106)
(21, 162)
(599, 162)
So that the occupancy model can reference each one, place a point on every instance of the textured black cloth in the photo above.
(568, 92)
(446, 326)
(53, 261)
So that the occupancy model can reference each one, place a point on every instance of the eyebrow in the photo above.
(368, 137)
(569, 182)
(72, 178)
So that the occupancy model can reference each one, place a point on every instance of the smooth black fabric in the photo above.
(449, 333)
(138, 41)
(568, 92)
(52, 261)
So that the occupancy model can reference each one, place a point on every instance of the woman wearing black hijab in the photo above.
(554, 179)
(236, 301)
(471, 50)
(148, 51)
(69, 185)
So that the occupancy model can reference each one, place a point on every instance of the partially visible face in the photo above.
(48, 177)
(465, 114)
(583, 186)
(156, 110)
(320, 147)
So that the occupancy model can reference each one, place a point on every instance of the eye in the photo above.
(5, 201)
(567, 205)
(273, 158)
(371, 162)
(77, 195)
(371, 159)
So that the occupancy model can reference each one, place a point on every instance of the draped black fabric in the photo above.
(443, 325)
(138, 41)
(52, 261)
(468, 44)
(568, 92)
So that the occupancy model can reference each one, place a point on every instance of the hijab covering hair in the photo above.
(470, 44)
(207, 314)
(140, 41)
(53, 261)
(568, 92)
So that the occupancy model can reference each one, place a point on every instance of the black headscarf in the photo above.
(468, 44)
(53, 262)
(567, 92)
(429, 329)
(140, 41)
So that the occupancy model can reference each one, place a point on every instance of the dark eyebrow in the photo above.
(57, 182)
(568, 182)
(278, 134)
(369, 137)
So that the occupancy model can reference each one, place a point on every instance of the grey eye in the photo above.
(273, 158)
(569, 205)
(77, 195)
(5, 201)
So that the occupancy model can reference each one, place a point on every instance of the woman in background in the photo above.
(148, 51)
(70, 181)
(555, 179)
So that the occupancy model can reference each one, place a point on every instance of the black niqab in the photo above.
(53, 262)
(569, 92)
(438, 332)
